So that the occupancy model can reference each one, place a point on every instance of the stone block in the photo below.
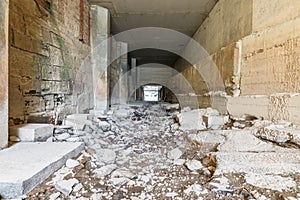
(77, 121)
(32, 132)
(29, 164)
(215, 121)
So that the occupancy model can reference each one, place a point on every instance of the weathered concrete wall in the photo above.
(48, 61)
(229, 21)
(100, 32)
(3, 73)
(270, 63)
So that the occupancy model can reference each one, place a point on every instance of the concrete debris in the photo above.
(271, 182)
(66, 186)
(72, 163)
(193, 165)
(54, 196)
(63, 136)
(147, 151)
(174, 154)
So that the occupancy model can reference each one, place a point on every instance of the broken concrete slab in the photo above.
(191, 120)
(279, 134)
(32, 132)
(77, 121)
(245, 141)
(272, 182)
(258, 163)
(215, 121)
(210, 136)
(25, 165)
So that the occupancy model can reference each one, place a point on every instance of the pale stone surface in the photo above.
(245, 141)
(191, 120)
(209, 136)
(105, 170)
(71, 163)
(32, 132)
(42, 159)
(272, 182)
(66, 186)
(77, 121)
(193, 165)
(259, 163)
(175, 154)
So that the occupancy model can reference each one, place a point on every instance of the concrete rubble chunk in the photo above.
(193, 165)
(118, 181)
(54, 196)
(195, 188)
(105, 170)
(42, 159)
(72, 163)
(122, 172)
(272, 182)
(77, 121)
(174, 154)
(279, 134)
(104, 125)
(32, 132)
(66, 186)
(215, 121)
(245, 141)
(63, 136)
(191, 120)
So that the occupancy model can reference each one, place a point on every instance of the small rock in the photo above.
(104, 125)
(174, 154)
(122, 172)
(72, 163)
(63, 136)
(171, 194)
(54, 196)
(73, 139)
(193, 165)
(105, 170)
(77, 187)
(179, 162)
(66, 186)
(196, 188)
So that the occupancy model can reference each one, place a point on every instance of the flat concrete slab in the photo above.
(77, 121)
(25, 165)
(258, 163)
(32, 132)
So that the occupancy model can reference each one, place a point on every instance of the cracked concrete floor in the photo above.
(147, 156)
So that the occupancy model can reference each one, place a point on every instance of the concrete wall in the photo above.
(229, 21)
(3, 73)
(271, 63)
(48, 69)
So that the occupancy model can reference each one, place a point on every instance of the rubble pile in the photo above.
(150, 151)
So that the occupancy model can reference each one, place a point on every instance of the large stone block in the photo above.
(29, 164)
(32, 132)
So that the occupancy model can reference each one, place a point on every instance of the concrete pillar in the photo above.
(3, 73)
(123, 72)
(100, 31)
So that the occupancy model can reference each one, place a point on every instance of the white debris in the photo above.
(195, 188)
(72, 163)
(272, 182)
(54, 196)
(118, 181)
(104, 125)
(174, 154)
(193, 165)
(105, 170)
(66, 186)
(63, 136)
